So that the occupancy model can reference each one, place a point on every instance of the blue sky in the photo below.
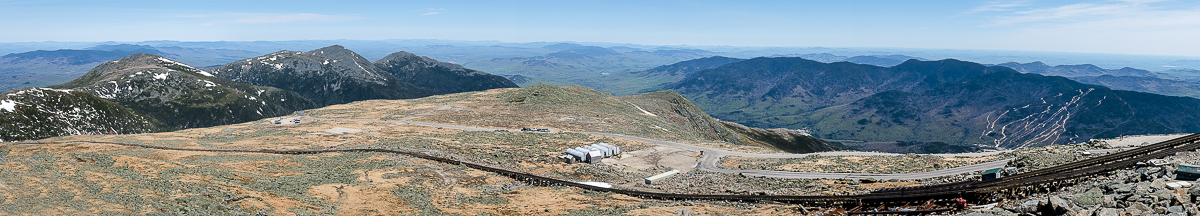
(1149, 27)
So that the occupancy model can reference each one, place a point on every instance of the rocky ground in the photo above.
(1025, 159)
(1144, 190)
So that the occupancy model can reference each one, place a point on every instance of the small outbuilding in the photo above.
(990, 174)
(595, 157)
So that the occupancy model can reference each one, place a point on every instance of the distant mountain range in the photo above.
(146, 92)
(1176, 83)
(1074, 70)
(578, 64)
(50, 67)
(923, 101)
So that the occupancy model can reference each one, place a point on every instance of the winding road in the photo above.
(712, 156)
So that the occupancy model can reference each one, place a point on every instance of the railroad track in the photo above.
(941, 192)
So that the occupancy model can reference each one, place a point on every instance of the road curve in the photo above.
(712, 156)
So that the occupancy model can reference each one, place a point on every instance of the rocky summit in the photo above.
(182, 96)
(442, 77)
(330, 75)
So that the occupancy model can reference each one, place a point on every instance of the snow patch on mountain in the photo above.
(7, 105)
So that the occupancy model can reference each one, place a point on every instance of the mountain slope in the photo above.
(439, 76)
(181, 96)
(685, 68)
(36, 113)
(782, 88)
(987, 110)
(685, 115)
(330, 75)
(655, 78)
(936, 101)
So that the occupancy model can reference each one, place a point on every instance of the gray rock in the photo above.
(1159, 184)
(1108, 212)
(1124, 188)
(1029, 207)
(1133, 211)
(1143, 187)
(1109, 201)
(1133, 198)
(1059, 205)
(1092, 197)
(1175, 209)
(1177, 199)
(1139, 208)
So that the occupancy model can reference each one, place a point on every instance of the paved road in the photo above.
(712, 156)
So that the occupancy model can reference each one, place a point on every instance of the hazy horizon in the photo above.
(1135, 27)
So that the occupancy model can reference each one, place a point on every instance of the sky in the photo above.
(1141, 27)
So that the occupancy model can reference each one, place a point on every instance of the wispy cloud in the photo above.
(269, 18)
(1090, 12)
(294, 17)
(1112, 26)
(433, 11)
(999, 5)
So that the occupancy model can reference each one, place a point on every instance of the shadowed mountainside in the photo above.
(929, 101)
(442, 77)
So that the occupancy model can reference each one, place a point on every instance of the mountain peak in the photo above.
(443, 77)
(406, 58)
(132, 65)
(329, 75)
(335, 52)
(332, 47)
